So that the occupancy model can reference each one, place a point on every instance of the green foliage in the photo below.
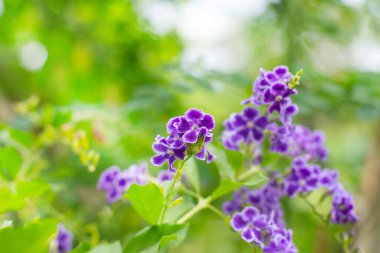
(10, 162)
(107, 248)
(156, 239)
(32, 238)
(226, 185)
(147, 200)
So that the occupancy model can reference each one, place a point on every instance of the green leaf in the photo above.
(10, 162)
(224, 167)
(156, 239)
(32, 188)
(114, 247)
(147, 200)
(10, 201)
(227, 185)
(83, 247)
(33, 238)
(191, 171)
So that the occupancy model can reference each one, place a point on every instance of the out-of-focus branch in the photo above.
(369, 233)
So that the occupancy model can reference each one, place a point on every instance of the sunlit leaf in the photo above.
(147, 200)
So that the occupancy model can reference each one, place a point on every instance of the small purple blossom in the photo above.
(185, 132)
(342, 211)
(262, 231)
(246, 128)
(303, 178)
(329, 179)
(238, 201)
(165, 175)
(63, 241)
(297, 141)
(272, 88)
(267, 200)
(115, 182)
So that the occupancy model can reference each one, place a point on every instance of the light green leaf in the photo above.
(156, 239)
(10, 201)
(32, 188)
(147, 200)
(191, 172)
(224, 167)
(33, 238)
(83, 247)
(107, 248)
(10, 162)
(226, 185)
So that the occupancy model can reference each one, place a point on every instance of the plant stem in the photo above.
(177, 177)
(314, 209)
(217, 211)
(202, 204)
(248, 173)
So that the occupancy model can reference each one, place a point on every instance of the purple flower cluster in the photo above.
(258, 214)
(63, 241)
(303, 178)
(115, 182)
(188, 135)
(297, 140)
(245, 128)
(261, 230)
(272, 88)
(342, 211)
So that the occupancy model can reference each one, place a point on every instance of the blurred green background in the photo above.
(123, 68)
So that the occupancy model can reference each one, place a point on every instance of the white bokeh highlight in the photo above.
(33, 56)
(2, 8)
(210, 29)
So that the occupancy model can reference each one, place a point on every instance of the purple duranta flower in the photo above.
(63, 241)
(246, 128)
(185, 133)
(342, 211)
(303, 178)
(115, 182)
(272, 88)
(296, 141)
(262, 231)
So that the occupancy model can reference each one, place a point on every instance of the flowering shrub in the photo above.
(281, 160)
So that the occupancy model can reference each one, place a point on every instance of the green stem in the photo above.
(248, 173)
(202, 204)
(177, 177)
(314, 209)
(216, 211)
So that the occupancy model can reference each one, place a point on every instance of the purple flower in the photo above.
(115, 182)
(246, 128)
(165, 175)
(342, 211)
(272, 88)
(297, 141)
(262, 231)
(279, 136)
(329, 179)
(168, 150)
(63, 241)
(188, 135)
(267, 200)
(303, 178)
(237, 202)
(305, 142)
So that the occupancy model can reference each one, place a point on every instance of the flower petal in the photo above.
(159, 160)
(190, 136)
